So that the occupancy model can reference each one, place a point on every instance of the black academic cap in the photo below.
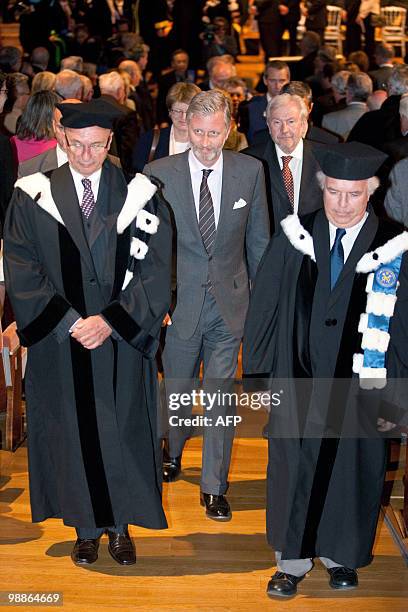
(352, 161)
(97, 112)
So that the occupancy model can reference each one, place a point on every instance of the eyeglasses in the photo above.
(95, 147)
(178, 113)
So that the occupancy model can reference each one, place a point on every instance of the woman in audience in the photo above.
(43, 81)
(158, 143)
(18, 95)
(34, 133)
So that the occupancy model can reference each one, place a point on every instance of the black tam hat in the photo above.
(352, 161)
(97, 112)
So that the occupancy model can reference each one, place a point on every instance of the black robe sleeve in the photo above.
(138, 311)
(261, 322)
(37, 306)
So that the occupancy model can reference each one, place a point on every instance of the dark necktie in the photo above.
(288, 179)
(336, 257)
(88, 202)
(206, 219)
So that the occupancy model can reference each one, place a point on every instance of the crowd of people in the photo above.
(154, 202)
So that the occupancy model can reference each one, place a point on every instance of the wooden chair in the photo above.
(13, 356)
(393, 30)
(332, 33)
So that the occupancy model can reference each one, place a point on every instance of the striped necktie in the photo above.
(206, 219)
(88, 201)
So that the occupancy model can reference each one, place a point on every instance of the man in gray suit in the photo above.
(219, 203)
(341, 122)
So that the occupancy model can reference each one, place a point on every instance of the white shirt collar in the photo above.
(297, 152)
(61, 156)
(197, 166)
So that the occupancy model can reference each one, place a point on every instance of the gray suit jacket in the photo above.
(47, 161)
(396, 199)
(341, 122)
(242, 236)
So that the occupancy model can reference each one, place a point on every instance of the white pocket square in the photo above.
(240, 204)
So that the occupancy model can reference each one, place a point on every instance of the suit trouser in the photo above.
(299, 567)
(214, 345)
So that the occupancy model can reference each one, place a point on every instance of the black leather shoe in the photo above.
(343, 578)
(217, 507)
(171, 465)
(85, 552)
(121, 548)
(283, 585)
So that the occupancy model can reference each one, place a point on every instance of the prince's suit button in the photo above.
(92, 281)
(330, 322)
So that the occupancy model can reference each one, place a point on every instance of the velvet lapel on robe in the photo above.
(65, 197)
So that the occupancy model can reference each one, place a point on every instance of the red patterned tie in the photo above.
(288, 179)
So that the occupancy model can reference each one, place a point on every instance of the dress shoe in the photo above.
(121, 548)
(171, 466)
(85, 552)
(217, 507)
(343, 578)
(283, 585)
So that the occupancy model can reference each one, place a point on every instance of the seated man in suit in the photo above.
(290, 166)
(179, 73)
(253, 113)
(384, 54)
(341, 122)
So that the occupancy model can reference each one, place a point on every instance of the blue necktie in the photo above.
(336, 257)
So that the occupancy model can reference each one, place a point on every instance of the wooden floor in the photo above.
(194, 565)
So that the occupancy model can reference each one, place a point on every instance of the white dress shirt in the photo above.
(214, 182)
(349, 237)
(61, 156)
(79, 188)
(295, 166)
(175, 146)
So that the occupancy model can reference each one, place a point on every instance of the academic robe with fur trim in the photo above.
(323, 493)
(94, 457)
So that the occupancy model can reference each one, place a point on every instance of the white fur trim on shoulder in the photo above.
(383, 254)
(381, 304)
(298, 236)
(138, 248)
(147, 222)
(36, 184)
(140, 191)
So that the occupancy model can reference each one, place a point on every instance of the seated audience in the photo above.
(35, 133)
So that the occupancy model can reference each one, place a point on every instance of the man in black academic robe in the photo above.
(89, 290)
(326, 458)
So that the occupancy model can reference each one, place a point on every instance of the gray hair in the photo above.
(72, 62)
(372, 183)
(68, 84)
(208, 103)
(403, 106)
(111, 83)
(398, 81)
(359, 87)
(339, 81)
(285, 99)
